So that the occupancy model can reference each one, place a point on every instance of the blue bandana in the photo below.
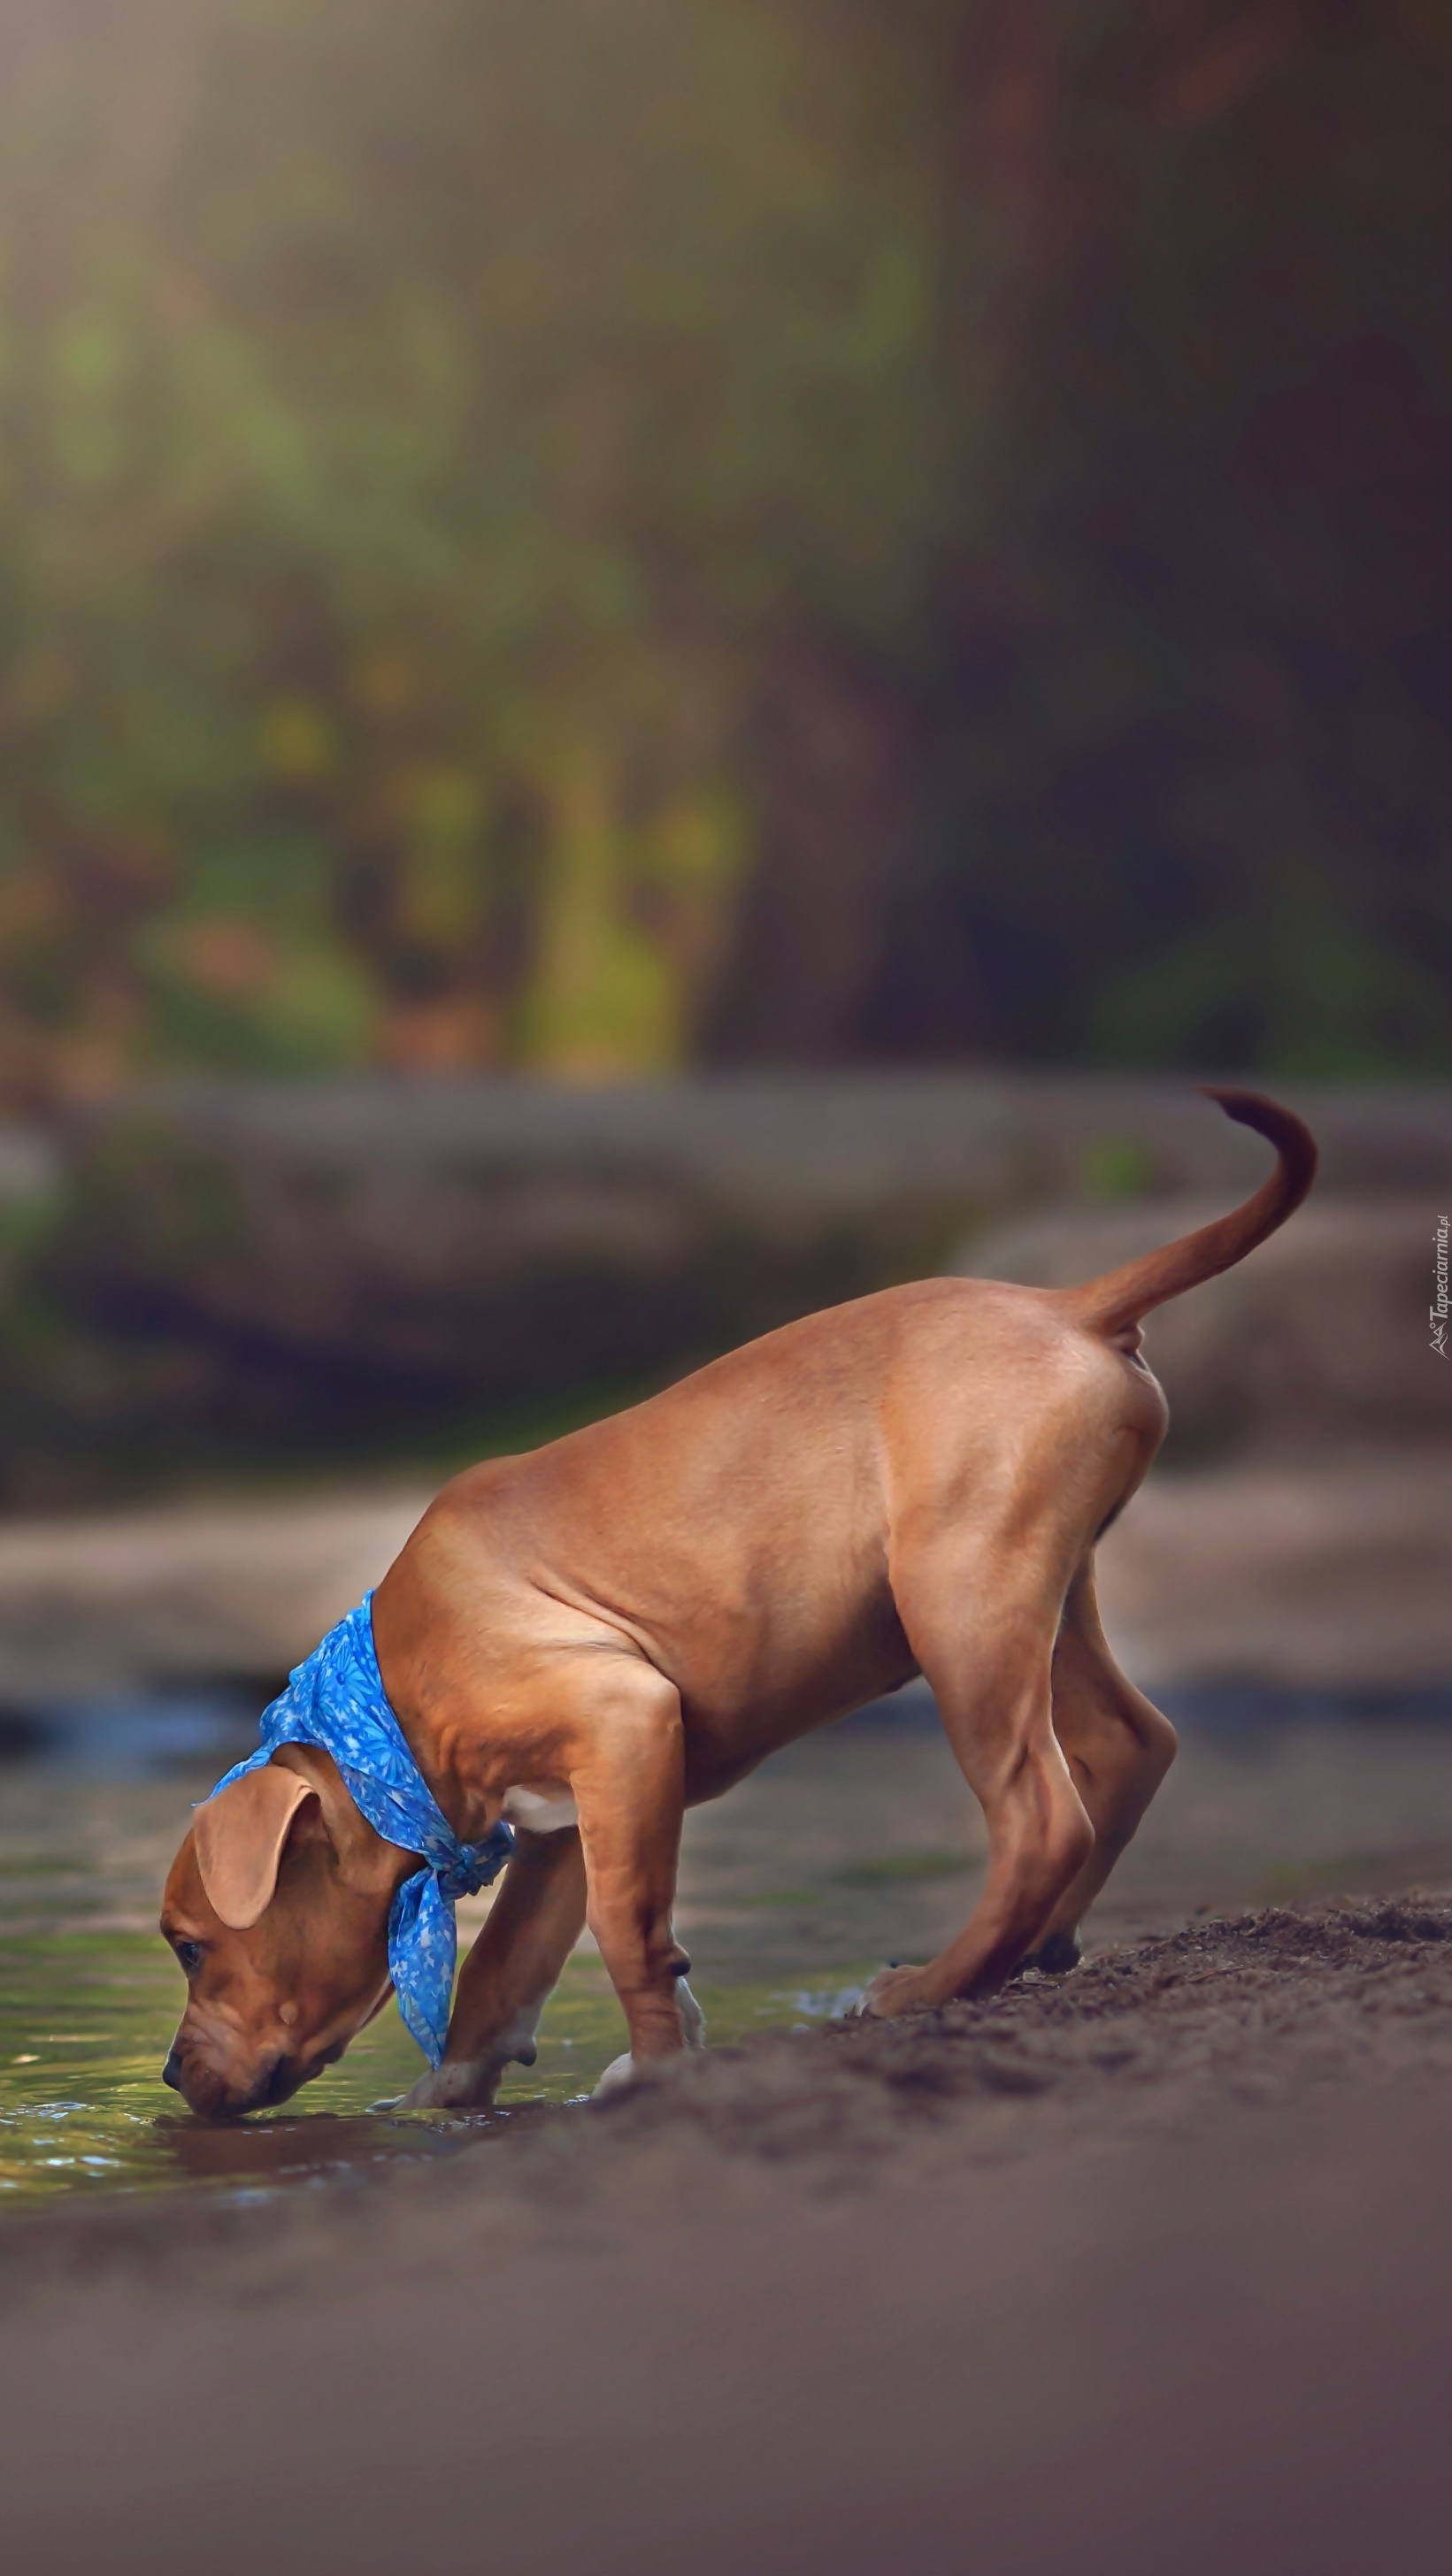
(337, 1700)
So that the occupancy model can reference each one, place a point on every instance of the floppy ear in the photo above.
(239, 1838)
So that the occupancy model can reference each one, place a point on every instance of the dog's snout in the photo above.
(171, 2072)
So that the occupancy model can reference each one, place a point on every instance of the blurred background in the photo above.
(604, 536)
(601, 542)
(664, 660)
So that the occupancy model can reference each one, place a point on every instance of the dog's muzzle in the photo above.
(208, 2094)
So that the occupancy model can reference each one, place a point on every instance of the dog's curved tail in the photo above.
(1114, 1304)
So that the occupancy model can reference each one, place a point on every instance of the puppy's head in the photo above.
(277, 1909)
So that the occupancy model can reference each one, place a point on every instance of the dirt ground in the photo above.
(1143, 2270)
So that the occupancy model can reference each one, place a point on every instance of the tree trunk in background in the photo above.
(835, 760)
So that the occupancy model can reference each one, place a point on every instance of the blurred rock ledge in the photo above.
(325, 1248)
(1334, 1574)
(509, 1238)
(459, 1230)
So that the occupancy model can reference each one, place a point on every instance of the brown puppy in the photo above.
(590, 1639)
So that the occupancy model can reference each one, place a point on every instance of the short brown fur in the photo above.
(635, 1616)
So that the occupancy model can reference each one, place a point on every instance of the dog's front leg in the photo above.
(628, 1783)
(513, 1967)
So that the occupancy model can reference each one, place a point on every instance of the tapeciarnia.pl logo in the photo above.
(1437, 1311)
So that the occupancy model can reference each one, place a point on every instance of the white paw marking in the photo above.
(619, 2073)
(862, 2009)
(693, 2020)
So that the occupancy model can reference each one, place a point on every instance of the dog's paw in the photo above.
(467, 2085)
(470, 2083)
(892, 1992)
(1057, 1957)
(623, 2070)
(619, 2073)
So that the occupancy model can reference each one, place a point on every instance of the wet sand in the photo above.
(1144, 2269)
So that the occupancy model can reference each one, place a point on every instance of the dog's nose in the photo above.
(171, 2072)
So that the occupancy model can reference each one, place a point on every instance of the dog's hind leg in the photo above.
(1118, 1748)
(512, 1969)
(981, 1612)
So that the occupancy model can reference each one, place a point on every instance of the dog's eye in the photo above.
(191, 1955)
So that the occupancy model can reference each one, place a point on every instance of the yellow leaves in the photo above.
(602, 1005)
(444, 807)
(698, 844)
(631, 919)
(295, 741)
(600, 1002)
(319, 1012)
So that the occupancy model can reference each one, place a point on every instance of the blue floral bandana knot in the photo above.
(336, 1700)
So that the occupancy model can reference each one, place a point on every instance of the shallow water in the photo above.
(84, 2023)
(859, 1845)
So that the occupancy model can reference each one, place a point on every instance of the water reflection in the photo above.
(303, 2148)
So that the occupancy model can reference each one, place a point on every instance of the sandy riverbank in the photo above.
(1146, 2269)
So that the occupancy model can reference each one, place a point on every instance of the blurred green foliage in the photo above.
(600, 533)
